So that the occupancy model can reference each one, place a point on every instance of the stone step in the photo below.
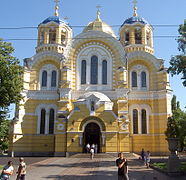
(102, 155)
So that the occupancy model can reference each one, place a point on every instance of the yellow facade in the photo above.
(92, 88)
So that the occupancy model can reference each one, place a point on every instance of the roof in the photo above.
(100, 96)
(135, 19)
(55, 19)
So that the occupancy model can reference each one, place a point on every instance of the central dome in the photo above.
(99, 25)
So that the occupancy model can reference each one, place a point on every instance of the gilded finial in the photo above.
(135, 8)
(56, 8)
(98, 13)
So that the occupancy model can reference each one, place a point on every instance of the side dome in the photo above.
(99, 25)
(135, 19)
(55, 19)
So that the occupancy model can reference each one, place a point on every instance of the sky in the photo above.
(159, 13)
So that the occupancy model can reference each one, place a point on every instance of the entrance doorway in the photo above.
(91, 135)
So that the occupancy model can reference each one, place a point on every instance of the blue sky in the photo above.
(26, 13)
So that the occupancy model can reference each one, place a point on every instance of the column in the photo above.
(143, 36)
(132, 36)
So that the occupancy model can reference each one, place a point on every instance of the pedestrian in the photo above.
(122, 165)
(7, 171)
(147, 158)
(88, 148)
(91, 153)
(93, 146)
(96, 148)
(21, 172)
(142, 154)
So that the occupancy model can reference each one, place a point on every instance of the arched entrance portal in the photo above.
(92, 135)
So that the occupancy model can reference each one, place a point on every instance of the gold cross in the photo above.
(135, 3)
(56, 1)
(56, 8)
(98, 12)
(98, 7)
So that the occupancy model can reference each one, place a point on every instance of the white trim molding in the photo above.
(48, 68)
(139, 108)
(102, 54)
(47, 108)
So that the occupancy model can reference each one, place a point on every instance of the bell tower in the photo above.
(136, 34)
(54, 33)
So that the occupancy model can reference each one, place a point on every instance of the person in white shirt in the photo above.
(21, 172)
(7, 171)
(91, 153)
(88, 148)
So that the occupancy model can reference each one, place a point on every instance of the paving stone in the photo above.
(99, 168)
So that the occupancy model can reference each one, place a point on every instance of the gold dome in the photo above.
(99, 25)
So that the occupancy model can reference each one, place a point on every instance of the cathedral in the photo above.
(92, 88)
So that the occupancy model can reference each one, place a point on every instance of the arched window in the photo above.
(83, 72)
(41, 38)
(104, 72)
(92, 106)
(148, 38)
(53, 79)
(127, 38)
(52, 36)
(44, 79)
(134, 79)
(42, 121)
(94, 70)
(135, 121)
(144, 121)
(51, 121)
(63, 38)
(143, 79)
(138, 36)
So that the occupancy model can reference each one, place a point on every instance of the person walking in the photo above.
(96, 148)
(93, 146)
(7, 171)
(21, 172)
(147, 158)
(142, 154)
(91, 153)
(122, 165)
(87, 148)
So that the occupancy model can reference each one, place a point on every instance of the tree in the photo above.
(176, 124)
(11, 82)
(178, 62)
(4, 133)
(11, 85)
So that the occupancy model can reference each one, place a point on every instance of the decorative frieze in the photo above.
(146, 95)
(42, 95)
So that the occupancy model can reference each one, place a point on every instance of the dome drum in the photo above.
(138, 34)
(53, 34)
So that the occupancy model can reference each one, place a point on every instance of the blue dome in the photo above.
(55, 19)
(135, 19)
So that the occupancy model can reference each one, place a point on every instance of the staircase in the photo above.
(102, 155)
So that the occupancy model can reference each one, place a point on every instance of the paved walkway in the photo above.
(86, 169)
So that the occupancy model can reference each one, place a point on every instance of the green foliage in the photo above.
(163, 166)
(160, 165)
(11, 81)
(176, 124)
(11, 85)
(172, 130)
(4, 133)
(178, 62)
